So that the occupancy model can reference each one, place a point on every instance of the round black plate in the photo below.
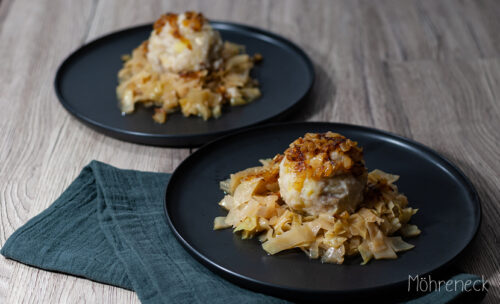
(449, 214)
(86, 81)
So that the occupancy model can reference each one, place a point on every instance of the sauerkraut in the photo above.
(372, 229)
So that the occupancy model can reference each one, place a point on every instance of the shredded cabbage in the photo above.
(255, 208)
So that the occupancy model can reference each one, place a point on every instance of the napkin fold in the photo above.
(109, 226)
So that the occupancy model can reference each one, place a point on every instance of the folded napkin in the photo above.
(109, 226)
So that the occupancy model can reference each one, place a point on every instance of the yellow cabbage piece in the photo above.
(220, 223)
(297, 236)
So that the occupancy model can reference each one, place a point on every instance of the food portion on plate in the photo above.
(185, 65)
(318, 196)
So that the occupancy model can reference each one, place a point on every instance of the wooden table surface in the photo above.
(427, 70)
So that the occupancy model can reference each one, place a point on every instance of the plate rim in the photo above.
(169, 139)
(274, 289)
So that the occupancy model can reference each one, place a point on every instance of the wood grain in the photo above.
(428, 70)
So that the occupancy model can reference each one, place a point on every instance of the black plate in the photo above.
(86, 81)
(449, 214)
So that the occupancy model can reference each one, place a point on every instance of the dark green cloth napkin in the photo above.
(109, 226)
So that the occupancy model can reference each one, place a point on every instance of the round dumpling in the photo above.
(183, 43)
(323, 173)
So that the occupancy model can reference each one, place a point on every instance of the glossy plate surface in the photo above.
(86, 82)
(449, 214)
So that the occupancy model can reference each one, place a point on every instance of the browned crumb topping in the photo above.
(164, 19)
(325, 154)
(193, 20)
